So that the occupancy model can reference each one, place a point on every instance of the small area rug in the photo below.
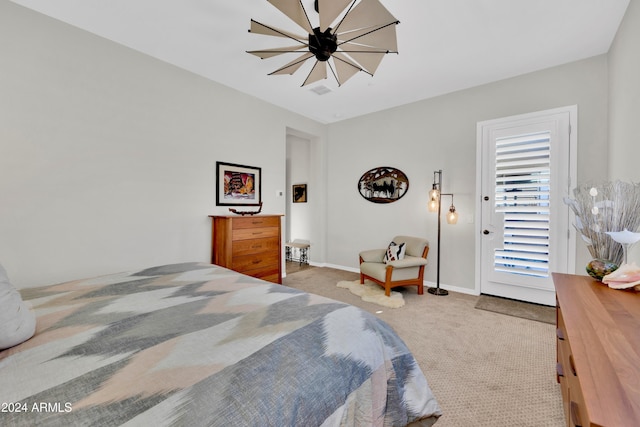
(371, 292)
(525, 310)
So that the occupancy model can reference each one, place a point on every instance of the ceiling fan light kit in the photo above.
(351, 36)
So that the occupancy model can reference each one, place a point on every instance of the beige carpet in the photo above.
(485, 368)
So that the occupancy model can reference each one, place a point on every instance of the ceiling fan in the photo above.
(350, 36)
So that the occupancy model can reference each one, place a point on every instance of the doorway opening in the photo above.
(304, 214)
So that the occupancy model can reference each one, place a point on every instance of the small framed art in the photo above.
(299, 192)
(238, 185)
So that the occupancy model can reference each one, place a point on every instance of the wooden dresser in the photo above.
(248, 244)
(598, 352)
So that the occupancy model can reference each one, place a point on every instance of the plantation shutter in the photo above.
(523, 179)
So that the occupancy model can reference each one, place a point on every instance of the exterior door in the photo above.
(524, 227)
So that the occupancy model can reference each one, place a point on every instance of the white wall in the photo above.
(298, 172)
(624, 103)
(107, 156)
(624, 100)
(440, 133)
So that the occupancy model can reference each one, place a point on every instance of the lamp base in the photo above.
(438, 291)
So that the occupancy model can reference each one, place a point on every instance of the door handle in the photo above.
(485, 231)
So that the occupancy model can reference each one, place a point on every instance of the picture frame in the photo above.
(383, 184)
(299, 193)
(238, 185)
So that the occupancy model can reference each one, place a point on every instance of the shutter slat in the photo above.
(524, 208)
(521, 263)
(523, 185)
(543, 249)
(526, 217)
(525, 155)
(526, 171)
(509, 255)
(528, 232)
(527, 240)
(523, 271)
(531, 138)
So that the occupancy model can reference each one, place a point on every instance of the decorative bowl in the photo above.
(598, 268)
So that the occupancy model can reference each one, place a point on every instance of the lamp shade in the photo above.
(452, 215)
(434, 196)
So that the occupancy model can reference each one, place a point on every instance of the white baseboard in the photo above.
(450, 288)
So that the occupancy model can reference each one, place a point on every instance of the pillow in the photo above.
(17, 322)
(394, 252)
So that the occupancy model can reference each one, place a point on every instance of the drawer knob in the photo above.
(560, 334)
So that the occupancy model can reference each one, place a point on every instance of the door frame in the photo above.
(573, 166)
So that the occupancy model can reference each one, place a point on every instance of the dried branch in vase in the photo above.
(602, 208)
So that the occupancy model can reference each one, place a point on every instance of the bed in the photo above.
(196, 344)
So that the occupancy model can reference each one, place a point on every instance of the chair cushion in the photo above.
(394, 252)
(379, 270)
(17, 322)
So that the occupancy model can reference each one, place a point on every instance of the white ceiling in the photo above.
(444, 45)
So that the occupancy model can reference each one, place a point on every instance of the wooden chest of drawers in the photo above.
(598, 352)
(248, 244)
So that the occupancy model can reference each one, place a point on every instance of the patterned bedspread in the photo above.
(196, 344)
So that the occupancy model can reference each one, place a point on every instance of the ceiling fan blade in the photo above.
(258, 28)
(367, 13)
(345, 67)
(382, 38)
(329, 10)
(369, 58)
(295, 11)
(318, 72)
(292, 66)
(269, 53)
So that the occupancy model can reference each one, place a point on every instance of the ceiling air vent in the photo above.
(320, 90)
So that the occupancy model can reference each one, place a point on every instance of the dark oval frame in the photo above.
(383, 184)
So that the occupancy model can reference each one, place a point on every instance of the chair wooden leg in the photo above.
(387, 281)
(421, 278)
(361, 279)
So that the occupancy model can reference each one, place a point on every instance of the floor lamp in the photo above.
(435, 204)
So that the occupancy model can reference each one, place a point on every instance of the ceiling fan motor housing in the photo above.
(322, 44)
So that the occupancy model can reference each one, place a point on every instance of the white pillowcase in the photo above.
(17, 322)
(394, 252)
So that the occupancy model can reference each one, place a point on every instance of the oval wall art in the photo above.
(383, 185)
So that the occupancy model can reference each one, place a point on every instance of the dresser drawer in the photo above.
(250, 263)
(255, 246)
(255, 222)
(255, 233)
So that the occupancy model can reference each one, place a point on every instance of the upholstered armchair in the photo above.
(401, 264)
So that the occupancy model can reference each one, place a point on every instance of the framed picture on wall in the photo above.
(383, 184)
(299, 192)
(238, 185)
